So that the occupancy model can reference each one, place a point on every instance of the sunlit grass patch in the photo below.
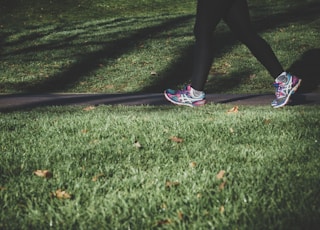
(141, 167)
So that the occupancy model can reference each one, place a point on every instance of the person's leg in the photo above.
(238, 20)
(209, 14)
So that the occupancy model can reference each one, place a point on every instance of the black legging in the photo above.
(236, 15)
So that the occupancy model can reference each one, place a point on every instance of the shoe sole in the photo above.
(293, 90)
(180, 103)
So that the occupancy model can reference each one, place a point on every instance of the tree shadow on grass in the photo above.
(178, 72)
(90, 62)
(2, 39)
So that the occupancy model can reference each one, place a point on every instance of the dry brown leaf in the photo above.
(170, 184)
(221, 209)
(164, 222)
(220, 175)
(95, 178)
(227, 64)
(43, 173)
(222, 185)
(61, 194)
(176, 139)
(2, 188)
(252, 76)
(267, 121)
(235, 109)
(84, 131)
(193, 164)
(89, 108)
(180, 215)
(164, 206)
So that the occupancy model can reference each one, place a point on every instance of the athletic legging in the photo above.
(235, 13)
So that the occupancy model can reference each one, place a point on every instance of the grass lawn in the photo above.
(145, 167)
(171, 167)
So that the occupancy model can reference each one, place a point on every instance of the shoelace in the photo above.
(281, 89)
(278, 89)
(183, 91)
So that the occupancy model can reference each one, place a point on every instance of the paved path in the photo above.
(14, 102)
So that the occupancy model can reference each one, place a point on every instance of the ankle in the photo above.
(196, 93)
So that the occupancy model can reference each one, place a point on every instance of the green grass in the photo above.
(270, 157)
(271, 160)
(145, 46)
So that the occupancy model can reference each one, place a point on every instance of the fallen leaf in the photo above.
(137, 145)
(43, 173)
(164, 206)
(227, 64)
(180, 215)
(267, 121)
(220, 175)
(235, 109)
(252, 76)
(95, 178)
(221, 209)
(84, 131)
(176, 139)
(164, 222)
(2, 188)
(89, 108)
(193, 164)
(61, 194)
(222, 185)
(170, 184)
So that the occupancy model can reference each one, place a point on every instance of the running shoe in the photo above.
(184, 97)
(285, 85)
